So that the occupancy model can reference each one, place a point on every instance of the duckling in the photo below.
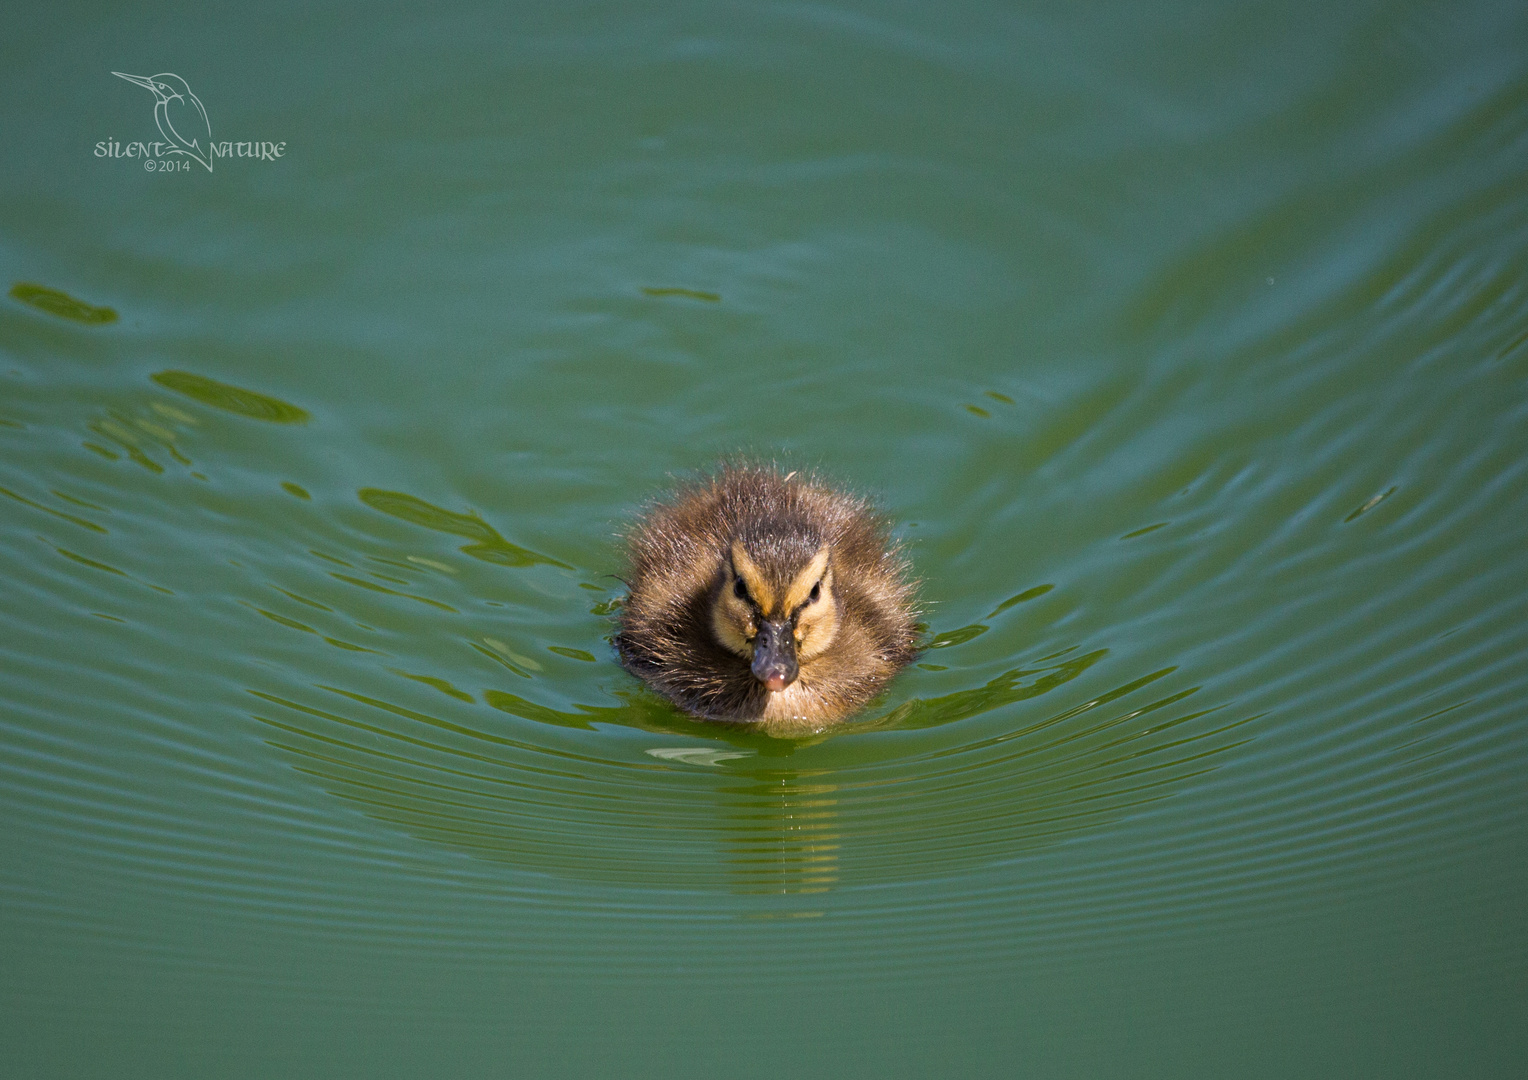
(766, 599)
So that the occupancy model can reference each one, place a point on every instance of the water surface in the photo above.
(1188, 348)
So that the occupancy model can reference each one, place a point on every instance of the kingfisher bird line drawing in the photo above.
(184, 124)
(171, 93)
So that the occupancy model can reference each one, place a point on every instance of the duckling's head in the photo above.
(774, 603)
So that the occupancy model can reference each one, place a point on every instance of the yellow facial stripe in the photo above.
(748, 570)
(801, 588)
(731, 627)
(817, 625)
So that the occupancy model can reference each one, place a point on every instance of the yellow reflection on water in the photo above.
(490, 547)
(234, 399)
(61, 304)
(780, 834)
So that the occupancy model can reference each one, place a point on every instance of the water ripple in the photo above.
(1227, 593)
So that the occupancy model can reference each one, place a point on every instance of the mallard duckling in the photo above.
(766, 599)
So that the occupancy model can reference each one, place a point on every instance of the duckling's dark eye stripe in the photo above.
(812, 598)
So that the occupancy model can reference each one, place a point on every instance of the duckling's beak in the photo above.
(774, 655)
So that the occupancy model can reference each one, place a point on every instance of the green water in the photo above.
(1188, 346)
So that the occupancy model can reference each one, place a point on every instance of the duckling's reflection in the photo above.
(780, 833)
(756, 815)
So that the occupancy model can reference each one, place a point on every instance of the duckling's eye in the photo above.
(816, 594)
(740, 590)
